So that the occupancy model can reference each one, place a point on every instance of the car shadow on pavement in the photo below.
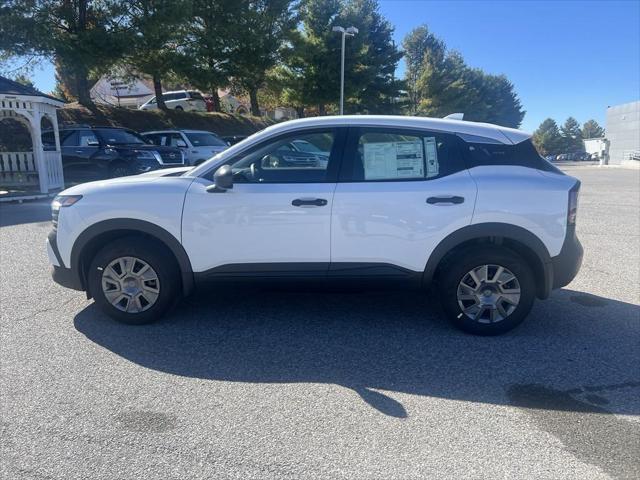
(25, 212)
(572, 345)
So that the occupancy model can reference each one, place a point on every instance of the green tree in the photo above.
(83, 36)
(261, 27)
(311, 74)
(440, 83)
(207, 52)
(157, 34)
(547, 138)
(571, 136)
(591, 129)
(24, 80)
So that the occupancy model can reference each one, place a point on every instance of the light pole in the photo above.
(351, 31)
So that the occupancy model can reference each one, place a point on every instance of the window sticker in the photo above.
(391, 160)
(431, 149)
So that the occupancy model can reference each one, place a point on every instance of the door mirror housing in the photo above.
(93, 143)
(222, 180)
(181, 144)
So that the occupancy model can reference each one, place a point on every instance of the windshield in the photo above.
(116, 136)
(205, 139)
(304, 146)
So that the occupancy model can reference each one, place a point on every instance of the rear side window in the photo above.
(379, 154)
(479, 152)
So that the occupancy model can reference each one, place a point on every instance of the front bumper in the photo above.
(66, 277)
(567, 263)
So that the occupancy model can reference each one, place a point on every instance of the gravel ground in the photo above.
(238, 384)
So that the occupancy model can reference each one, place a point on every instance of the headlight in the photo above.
(148, 155)
(59, 202)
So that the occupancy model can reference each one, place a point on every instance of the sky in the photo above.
(565, 58)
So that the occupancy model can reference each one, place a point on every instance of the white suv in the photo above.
(197, 145)
(399, 201)
(187, 100)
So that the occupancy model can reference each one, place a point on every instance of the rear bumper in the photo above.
(567, 263)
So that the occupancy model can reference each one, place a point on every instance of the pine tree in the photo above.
(547, 138)
(591, 129)
(571, 136)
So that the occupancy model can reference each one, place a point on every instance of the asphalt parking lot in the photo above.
(238, 384)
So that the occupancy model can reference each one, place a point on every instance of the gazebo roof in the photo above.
(10, 87)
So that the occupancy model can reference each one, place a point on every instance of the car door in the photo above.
(275, 220)
(78, 148)
(399, 194)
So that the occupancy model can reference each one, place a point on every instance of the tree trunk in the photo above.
(215, 100)
(157, 87)
(322, 110)
(253, 97)
(300, 111)
(81, 73)
(82, 88)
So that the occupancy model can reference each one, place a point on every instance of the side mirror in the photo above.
(93, 143)
(181, 144)
(222, 180)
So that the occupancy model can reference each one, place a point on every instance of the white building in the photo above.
(596, 146)
(121, 92)
(623, 133)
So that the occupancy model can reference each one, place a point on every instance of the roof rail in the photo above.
(455, 116)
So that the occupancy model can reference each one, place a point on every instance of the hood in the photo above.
(156, 180)
(144, 146)
(166, 172)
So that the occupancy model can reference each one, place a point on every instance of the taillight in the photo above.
(572, 211)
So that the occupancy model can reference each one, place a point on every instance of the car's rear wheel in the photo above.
(179, 108)
(134, 281)
(487, 291)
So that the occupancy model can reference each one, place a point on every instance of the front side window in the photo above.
(395, 155)
(277, 161)
(86, 138)
(154, 138)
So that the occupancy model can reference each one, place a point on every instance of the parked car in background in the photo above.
(187, 100)
(197, 145)
(92, 153)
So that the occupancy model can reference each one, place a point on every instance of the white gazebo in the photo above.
(41, 168)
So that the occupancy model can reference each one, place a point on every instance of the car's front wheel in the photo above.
(487, 291)
(134, 281)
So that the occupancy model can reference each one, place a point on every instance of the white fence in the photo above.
(18, 169)
(54, 170)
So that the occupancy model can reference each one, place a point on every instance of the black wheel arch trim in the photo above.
(136, 225)
(500, 232)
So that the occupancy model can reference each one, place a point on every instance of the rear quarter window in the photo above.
(483, 152)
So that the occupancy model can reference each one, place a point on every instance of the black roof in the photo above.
(14, 88)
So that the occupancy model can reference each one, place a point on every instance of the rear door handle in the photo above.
(309, 202)
(453, 200)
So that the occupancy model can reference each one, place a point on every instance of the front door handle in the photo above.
(452, 200)
(309, 202)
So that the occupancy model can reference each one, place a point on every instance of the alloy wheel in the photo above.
(488, 293)
(130, 284)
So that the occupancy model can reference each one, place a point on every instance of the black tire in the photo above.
(119, 170)
(158, 257)
(457, 268)
(179, 108)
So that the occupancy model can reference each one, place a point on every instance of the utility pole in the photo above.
(351, 31)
